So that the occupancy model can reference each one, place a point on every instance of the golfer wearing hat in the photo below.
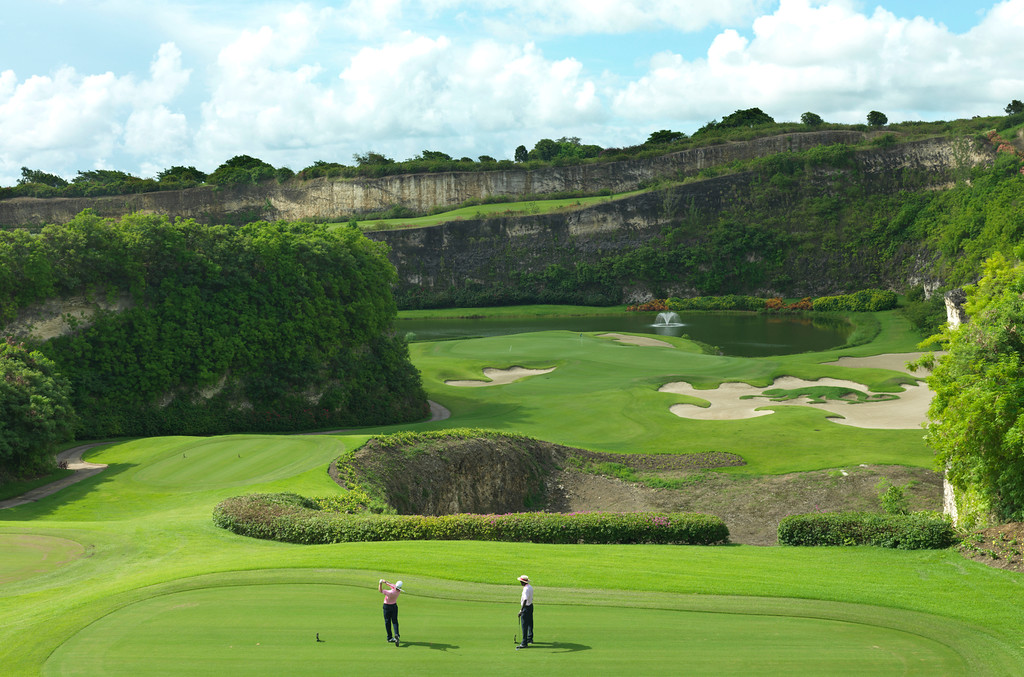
(390, 606)
(526, 612)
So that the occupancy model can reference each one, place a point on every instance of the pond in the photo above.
(738, 334)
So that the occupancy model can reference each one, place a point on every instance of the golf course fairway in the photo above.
(124, 572)
(272, 629)
(26, 555)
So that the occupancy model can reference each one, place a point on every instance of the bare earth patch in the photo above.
(1001, 546)
(500, 377)
(751, 507)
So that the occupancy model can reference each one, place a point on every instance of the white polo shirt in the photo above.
(527, 598)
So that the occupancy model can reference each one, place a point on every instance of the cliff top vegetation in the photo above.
(742, 125)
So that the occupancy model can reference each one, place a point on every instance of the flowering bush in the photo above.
(294, 519)
(727, 302)
(653, 306)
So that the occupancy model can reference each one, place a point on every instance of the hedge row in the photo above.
(727, 302)
(865, 300)
(904, 532)
(295, 519)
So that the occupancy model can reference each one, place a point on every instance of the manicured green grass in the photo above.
(26, 555)
(159, 590)
(17, 488)
(482, 211)
(603, 396)
(270, 629)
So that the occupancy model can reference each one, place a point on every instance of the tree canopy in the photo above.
(35, 409)
(663, 136)
(877, 119)
(268, 326)
(977, 415)
(811, 119)
(1014, 107)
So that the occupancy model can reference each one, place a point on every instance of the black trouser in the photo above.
(527, 622)
(391, 618)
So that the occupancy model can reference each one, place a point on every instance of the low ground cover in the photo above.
(603, 395)
(155, 561)
(483, 211)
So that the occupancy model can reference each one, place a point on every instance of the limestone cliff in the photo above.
(333, 199)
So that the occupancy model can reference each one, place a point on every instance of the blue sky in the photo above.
(142, 86)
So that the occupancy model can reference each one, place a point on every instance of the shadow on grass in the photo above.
(436, 646)
(66, 495)
(560, 647)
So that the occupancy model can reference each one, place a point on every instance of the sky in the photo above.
(143, 86)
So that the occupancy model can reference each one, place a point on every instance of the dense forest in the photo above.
(265, 327)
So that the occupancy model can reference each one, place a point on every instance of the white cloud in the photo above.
(834, 60)
(401, 97)
(293, 82)
(84, 118)
(581, 17)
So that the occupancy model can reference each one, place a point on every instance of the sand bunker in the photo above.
(907, 412)
(500, 377)
(894, 361)
(636, 340)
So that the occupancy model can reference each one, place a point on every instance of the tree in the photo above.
(241, 169)
(37, 176)
(521, 154)
(545, 149)
(35, 410)
(1014, 107)
(104, 177)
(748, 117)
(977, 415)
(435, 155)
(811, 119)
(372, 158)
(486, 158)
(663, 136)
(246, 162)
(876, 119)
(179, 174)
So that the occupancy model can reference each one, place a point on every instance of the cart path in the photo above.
(73, 456)
(84, 469)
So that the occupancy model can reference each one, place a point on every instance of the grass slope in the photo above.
(158, 589)
(268, 629)
(486, 210)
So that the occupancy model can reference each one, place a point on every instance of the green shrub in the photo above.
(727, 302)
(294, 519)
(904, 532)
(865, 300)
(893, 499)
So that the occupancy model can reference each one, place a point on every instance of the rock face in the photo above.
(472, 475)
(490, 253)
(955, 313)
(59, 316)
(333, 199)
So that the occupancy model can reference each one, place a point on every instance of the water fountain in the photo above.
(668, 319)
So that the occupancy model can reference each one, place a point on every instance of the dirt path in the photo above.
(73, 457)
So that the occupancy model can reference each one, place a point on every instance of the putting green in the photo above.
(271, 630)
(26, 555)
(604, 396)
(191, 464)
